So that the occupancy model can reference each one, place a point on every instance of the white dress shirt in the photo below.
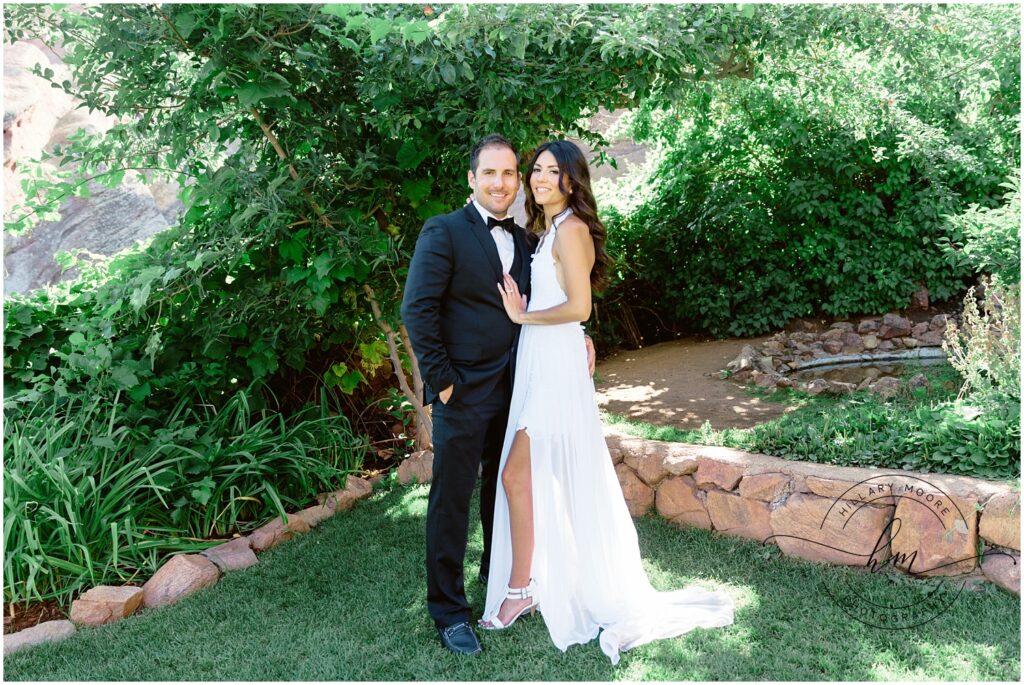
(502, 239)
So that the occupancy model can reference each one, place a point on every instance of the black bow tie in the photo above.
(507, 223)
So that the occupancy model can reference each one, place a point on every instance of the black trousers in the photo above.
(465, 437)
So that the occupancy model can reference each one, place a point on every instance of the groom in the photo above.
(466, 345)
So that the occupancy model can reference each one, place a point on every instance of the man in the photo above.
(465, 344)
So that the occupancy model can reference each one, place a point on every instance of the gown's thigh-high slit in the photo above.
(586, 558)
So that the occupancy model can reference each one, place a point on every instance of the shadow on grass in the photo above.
(346, 602)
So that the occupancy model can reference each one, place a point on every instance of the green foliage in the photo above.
(985, 348)
(988, 239)
(823, 183)
(92, 497)
(924, 432)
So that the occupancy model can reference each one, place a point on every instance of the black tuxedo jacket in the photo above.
(452, 308)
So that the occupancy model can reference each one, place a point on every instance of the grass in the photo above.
(346, 602)
(925, 432)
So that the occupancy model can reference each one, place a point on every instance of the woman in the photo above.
(563, 538)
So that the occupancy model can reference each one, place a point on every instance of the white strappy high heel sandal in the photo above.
(514, 593)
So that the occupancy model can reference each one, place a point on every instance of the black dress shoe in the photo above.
(459, 638)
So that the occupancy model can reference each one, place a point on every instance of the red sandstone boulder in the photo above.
(733, 515)
(355, 489)
(1003, 570)
(725, 476)
(649, 463)
(276, 532)
(678, 500)
(837, 532)
(50, 631)
(934, 538)
(179, 577)
(233, 555)
(1000, 521)
(106, 604)
(767, 487)
(894, 326)
(418, 467)
(639, 496)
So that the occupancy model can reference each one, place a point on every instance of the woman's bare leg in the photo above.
(517, 480)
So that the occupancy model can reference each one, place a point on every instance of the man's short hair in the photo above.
(492, 140)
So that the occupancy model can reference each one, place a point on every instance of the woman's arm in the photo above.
(575, 249)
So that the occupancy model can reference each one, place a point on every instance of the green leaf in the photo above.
(417, 189)
(250, 93)
(139, 297)
(410, 155)
(340, 10)
(448, 73)
(378, 29)
(519, 42)
(123, 377)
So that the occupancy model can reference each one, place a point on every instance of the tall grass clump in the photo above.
(93, 498)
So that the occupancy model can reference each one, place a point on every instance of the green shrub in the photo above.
(90, 497)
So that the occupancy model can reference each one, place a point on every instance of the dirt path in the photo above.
(677, 384)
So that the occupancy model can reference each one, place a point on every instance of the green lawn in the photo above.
(346, 602)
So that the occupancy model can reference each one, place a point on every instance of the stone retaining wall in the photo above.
(831, 514)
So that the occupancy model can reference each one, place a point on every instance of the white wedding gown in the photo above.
(586, 560)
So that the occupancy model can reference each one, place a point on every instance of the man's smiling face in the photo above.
(496, 180)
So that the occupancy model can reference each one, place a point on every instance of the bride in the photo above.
(563, 538)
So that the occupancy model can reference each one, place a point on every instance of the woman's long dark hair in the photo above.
(572, 167)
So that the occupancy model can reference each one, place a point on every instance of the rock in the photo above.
(852, 343)
(639, 496)
(616, 454)
(106, 604)
(833, 346)
(894, 326)
(233, 555)
(741, 376)
(886, 387)
(50, 631)
(909, 343)
(649, 463)
(841, 388)
(276, 532)
(930, 339)
(745, 360)
(938, 539)
(919, 328)
(876, 492)
(320, 512)
(842, 325)
(919, 300)
(918, 381)
(1000, 520)
(733, 515)
(870, 341)
(181, 576)
(1001, 569)
(766, 364)
(773, 348)
(885, 345)
(764, 380)
(832, 334)
(867, 326)
(767, 487)
(416, 468)
(678, 500)
(355, 490)
(679, 462)
(817, 386)
(938, 323)
(108, 221)
(810, 527)
(725, 476)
